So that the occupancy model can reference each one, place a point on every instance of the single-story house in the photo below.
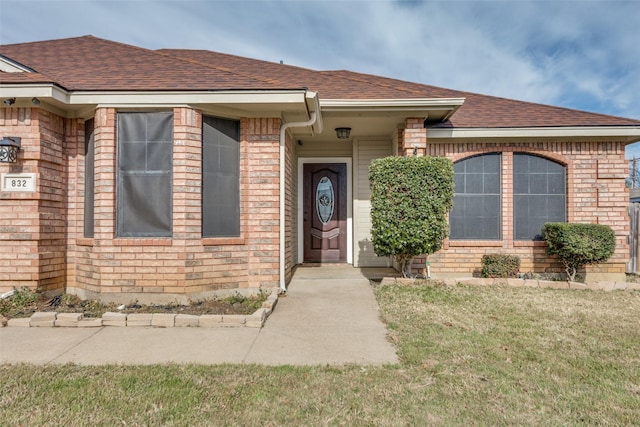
(181, 172)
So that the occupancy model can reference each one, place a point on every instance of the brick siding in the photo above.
(42, 233)
(33, 224)
(596, 193)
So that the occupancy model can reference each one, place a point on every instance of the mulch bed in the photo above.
(92, 308)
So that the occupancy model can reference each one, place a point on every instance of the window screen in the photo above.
(88, 178)
(539, 195)
(477, 199)
(145, 152)
(221, 177)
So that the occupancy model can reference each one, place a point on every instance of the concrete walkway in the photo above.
(329, 316)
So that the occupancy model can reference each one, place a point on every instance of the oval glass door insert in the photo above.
(324, 200)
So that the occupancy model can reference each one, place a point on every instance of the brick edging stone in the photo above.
(527, 283)
(158, 320)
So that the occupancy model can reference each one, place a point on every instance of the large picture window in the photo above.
(539, 195)
(221, 177)
(537, 189)
(477, 199)
(145, 157)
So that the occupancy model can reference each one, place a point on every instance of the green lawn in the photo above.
(470, 356)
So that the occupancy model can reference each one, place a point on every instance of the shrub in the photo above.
(500, 265)
(410, 200)
(578, 245)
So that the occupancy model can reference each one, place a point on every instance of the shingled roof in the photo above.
(93, 64)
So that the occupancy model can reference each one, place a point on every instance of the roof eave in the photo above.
(628, 134)
(409, 104)
(30, 90)
(245, 101)
(433, 109)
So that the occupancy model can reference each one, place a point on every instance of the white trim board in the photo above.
(632, 132)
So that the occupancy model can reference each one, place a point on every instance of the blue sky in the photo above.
(576, 54)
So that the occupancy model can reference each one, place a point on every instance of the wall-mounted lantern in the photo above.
(9, 147)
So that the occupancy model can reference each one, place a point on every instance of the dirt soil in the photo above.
(91, 308)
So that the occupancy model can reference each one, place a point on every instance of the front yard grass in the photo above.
(469, 356)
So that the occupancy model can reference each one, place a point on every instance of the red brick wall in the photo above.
(74, 154)
(596, 193)
(41, 234)
(185, 263)
(413, 139)
(32, 225)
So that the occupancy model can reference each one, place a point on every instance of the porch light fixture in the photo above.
(35, 101)
(9, 101)
(343, 133)
(9, 147)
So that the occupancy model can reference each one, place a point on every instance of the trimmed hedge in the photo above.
(578, 245)
(410, 200)
(500, 266)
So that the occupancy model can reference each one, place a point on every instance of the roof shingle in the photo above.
(92, 64)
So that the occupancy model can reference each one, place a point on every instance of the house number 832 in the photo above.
(23, 182)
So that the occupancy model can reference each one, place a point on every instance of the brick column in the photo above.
(32, 224)
(106, 264)
(187, 175)
(261, 192)
(74, 203)
(105, 173)
(414, 137)
(187, 206)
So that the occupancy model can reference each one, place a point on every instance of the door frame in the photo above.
(301, 163)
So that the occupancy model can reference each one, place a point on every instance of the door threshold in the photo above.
(325, 264)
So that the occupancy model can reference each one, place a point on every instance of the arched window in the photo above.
(537, 188)
(539, 195)
(477, 200)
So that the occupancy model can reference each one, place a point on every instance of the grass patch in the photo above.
(522, 355)
(470, 356)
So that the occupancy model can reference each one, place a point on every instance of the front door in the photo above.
(325, 212)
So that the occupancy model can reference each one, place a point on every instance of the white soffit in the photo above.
(361, 105)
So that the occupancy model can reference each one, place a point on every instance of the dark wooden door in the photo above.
(325, 212)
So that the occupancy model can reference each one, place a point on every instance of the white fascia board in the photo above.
(537, 132)
(419, 104)
(152, 98)
(37, 90)
(174, 98)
